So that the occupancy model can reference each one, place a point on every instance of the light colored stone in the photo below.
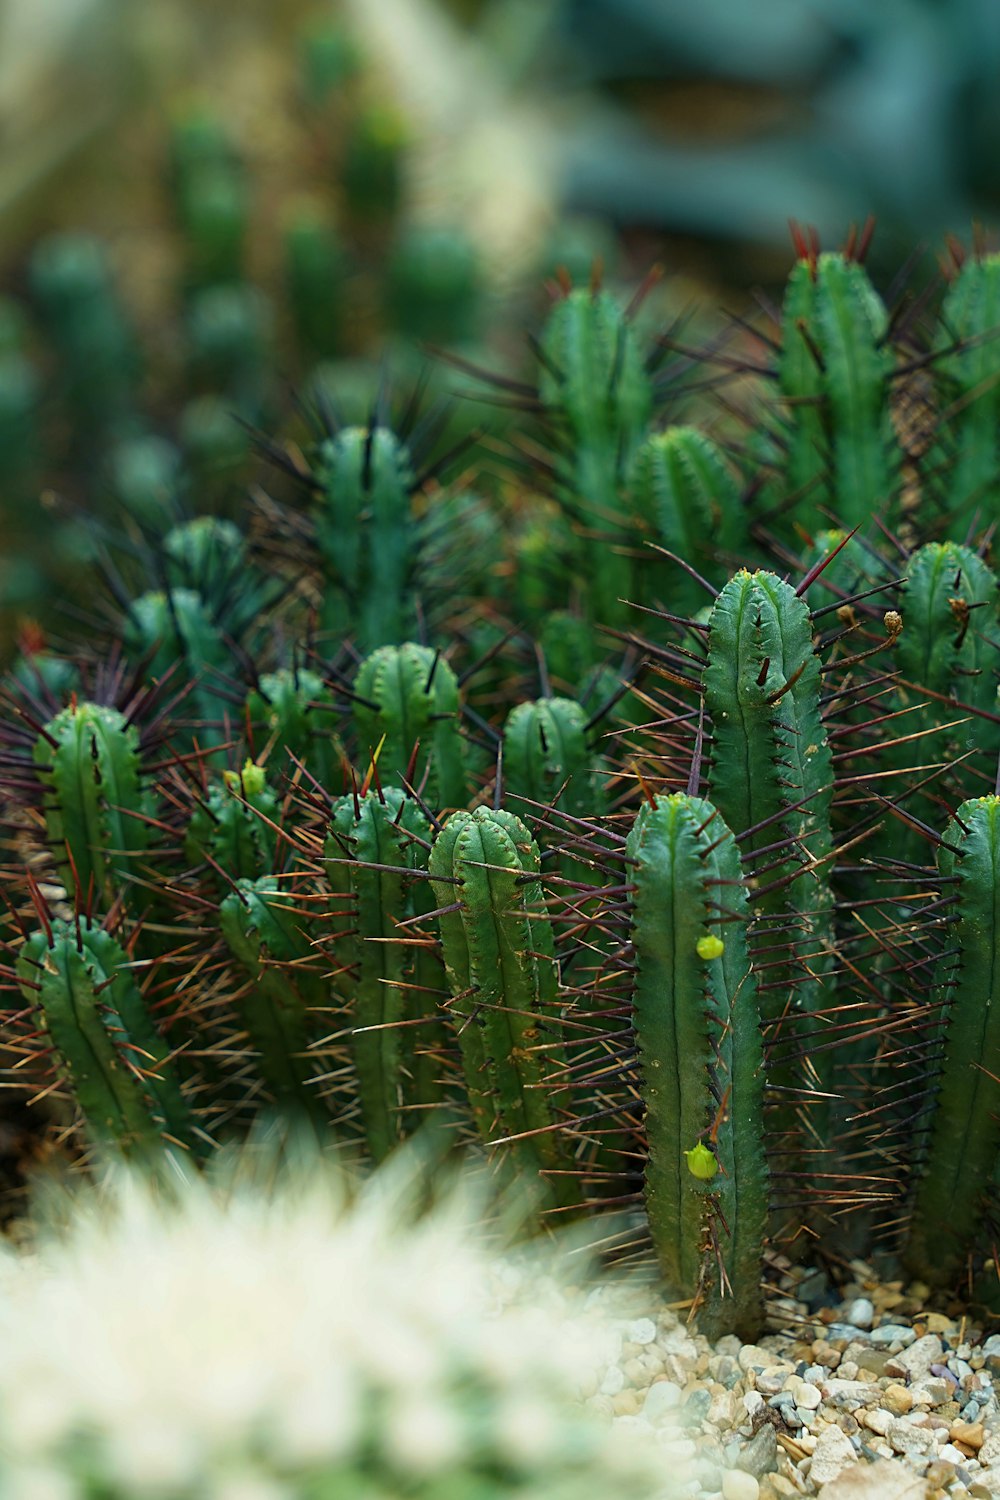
(938, 1391)
(878, 1421)
(906, 1438)
(626, 1404)
(888, 1334)
(613, 1382)
(989, 1453)
(738, 1485)
(642, 1331)
(848, 1395)
(886, 1480)
(834, 1453)
(752, 1357)
(754, 1402)
(916, 1361)
(951, 1454)
(860, 1312)
(985, 1485)
(662, 1397)
(723, 1411)
(807, 1395)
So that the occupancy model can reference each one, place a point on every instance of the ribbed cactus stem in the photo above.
(79, 980)
(272, 944)
(500, 961)
(96, 808)
(960, 1156)
(366, 532)
(697, 1025)
(771, 774)
(407, 702)
(373, 842)
(595, 384)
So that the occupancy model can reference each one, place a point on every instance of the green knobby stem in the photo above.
(962, 1151)
(697, 1024)
(803, 457)
(175, 632)
(834, 373)
(373, 842)
(548, 757)
(415, 698)
(119, 1069)
(683, 493)
(594, 382)
(293, 710)
(272, 944)
(232, 826)
(500, 961)
(89, 763)
(948, 649)
(968, 449)
(366, 532)
(570, 646)
(771, 770)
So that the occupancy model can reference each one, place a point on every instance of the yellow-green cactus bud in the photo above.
(701, 1159)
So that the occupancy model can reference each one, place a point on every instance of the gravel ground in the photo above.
(871, 1398)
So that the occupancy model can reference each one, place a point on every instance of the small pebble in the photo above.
(834, 1453)
(892, 1334)
(969, 1433)
(738, 1485)
(642, 1331)
(916, 1360)
(663, 1396)
(860, 1312)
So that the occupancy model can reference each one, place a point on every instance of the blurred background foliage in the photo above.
(264, 199)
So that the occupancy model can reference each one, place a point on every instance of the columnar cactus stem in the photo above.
(697, 1025)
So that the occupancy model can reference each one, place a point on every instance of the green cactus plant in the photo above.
(500, 962)
(406, 708)
(960, 1142)
(375, 854)
(697, 1024)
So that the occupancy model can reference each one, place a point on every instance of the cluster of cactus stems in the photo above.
(658, 860)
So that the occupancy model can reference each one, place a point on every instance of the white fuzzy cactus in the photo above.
(296, 1343)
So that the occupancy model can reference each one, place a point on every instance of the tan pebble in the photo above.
(968, 1434)
(635, 1373)
(724, 1410)
(626, 1404)
(897, 1398)
(602, 1405)
(878, 1421)
(777, 1487)
(825, 1354)
(848, 1370)
(938, 1323)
